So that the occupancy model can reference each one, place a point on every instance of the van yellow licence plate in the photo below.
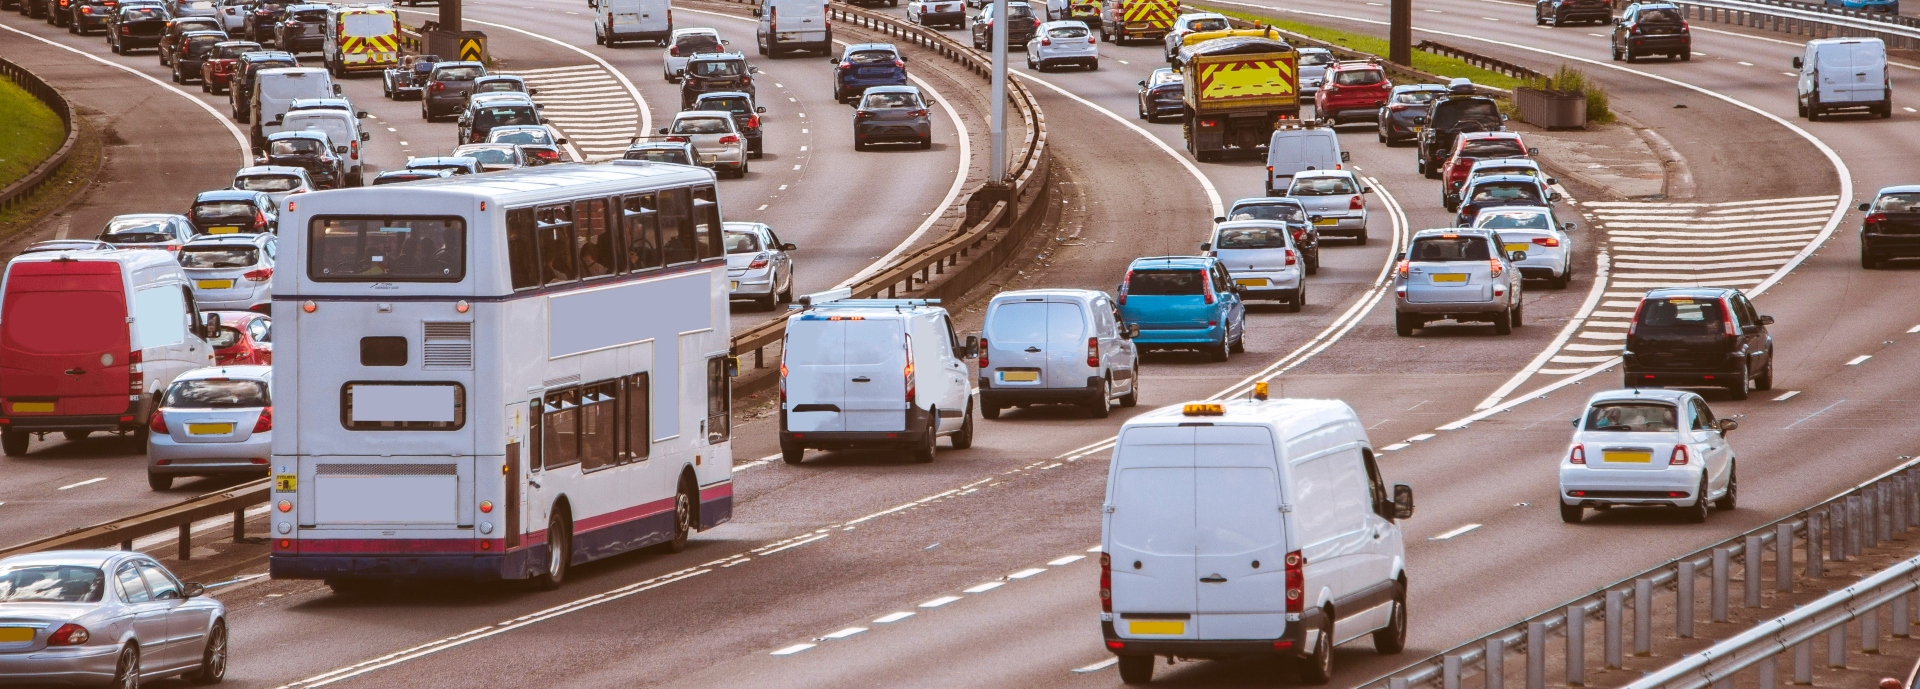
(1252, 282)
(734, 285)
(1626, 457)
(14, 635)
(1516, 246)
(209, 428)
(214, 284)
(1019, 376)
(33, 407)
(1169, 627)
(1449, 277)
(224, 229)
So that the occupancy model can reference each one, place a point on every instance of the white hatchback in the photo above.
(1537, 231)
(1063, 43)
(1648, 447)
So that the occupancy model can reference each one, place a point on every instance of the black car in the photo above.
(240, 88)
(746, 115)
(302, 29)
(233, 211)
(484, 112)
(1020, 26)
(30, 8)
(194, 47)
(1559, 12)
(1306, 236)
(60, 12)
(1892, 226)
(261, 17)
(88, 15)
(136, 27)
(715, 72)
(1159, 94)
(311, 150)
(180, 26)
(1651, 29)
(1406, 111)
(1699, 336)
(1450, 115)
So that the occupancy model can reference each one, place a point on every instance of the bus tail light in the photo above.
(68, 634)
(1679, 456)
(158, 424)
(1296, 582)
(258, 275)
(1578, 455)
(265, 422)
(1093, 352)
(983, 355)
(1106, 583)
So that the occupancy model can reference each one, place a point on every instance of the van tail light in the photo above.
(783, 379)
(1546, 241)
(136, 380)
(265, 422)
(671, 50)
(907, 371)
(1093, 352)
(1206, 287)
(1106, 583)
(983, 355)
(1679, 456)
(68, 634)
(260, 275)
(1356, 203)
(353, 150)
(1291, 257)
(1494, 265)
(1296, 582)
(1405, 268)
(729, 139)
(1578, 455)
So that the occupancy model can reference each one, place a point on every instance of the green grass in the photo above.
(33, 132)
(1426, 62)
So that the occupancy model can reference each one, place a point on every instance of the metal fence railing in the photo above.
(20, 189)
(1801, 19)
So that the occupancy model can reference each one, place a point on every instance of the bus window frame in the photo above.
(637, 405)
(587, 207)
(666, 199)
(556, 218)
(644, 210)
(712, 242)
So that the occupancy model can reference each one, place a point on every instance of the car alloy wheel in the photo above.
(126, 672)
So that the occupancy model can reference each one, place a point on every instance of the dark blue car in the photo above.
(866, 65)
(1184, 302)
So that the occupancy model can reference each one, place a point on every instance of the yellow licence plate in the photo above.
(1327, 221)
(734, 285)
(1019, 376)
(1171, 627)
(209, 428)
(33, 407)
(1449, 277)
(214, 284)
(1252, 282)
(1618, 457)
(14, 635)
(224, 229)
(285, 483)
(1516, 246)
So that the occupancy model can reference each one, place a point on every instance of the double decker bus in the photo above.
(499, 376)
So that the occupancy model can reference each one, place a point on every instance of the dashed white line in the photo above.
(1104, 664)
(1787, 396)
(1858, 360)
(1070, 559)
(937, 602)
(1022, 574)
(1418, 438)
(892, 617)
(1908, 109)
(983, 588)
(1454, 532)
(82, 483)
(1395, 447)
(1914, 329)
(796, 648)
(844, 633)
(1094, 549)
(796, 167)
(762, 207)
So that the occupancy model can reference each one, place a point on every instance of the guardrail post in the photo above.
(186, 541)
(1643, 616)
(1837, 529)
(1717, 596)
(1856, 519)
(1496, 663)
(240, 525)
(1450, 672)
(1837, 646)
(1770, 672)
(1751, 570)
(1576, 645)
(126, 544)
(1816, 567)
(1536, 655)
(1876, 499)
(1870, 631)
(1612, 643)
(1683, 602)
(1783, 558)
(1396, 683)
(1902, 617)
(1803, 662)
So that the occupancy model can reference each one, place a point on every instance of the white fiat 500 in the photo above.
(1648, 447)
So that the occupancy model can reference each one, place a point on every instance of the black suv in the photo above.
(1559, 12)
(1457, 112)
(1652, 28)
(1699, 336)
(714, 72)
(240, 88)
(1892, 226)
(302, 30)
(746, 115)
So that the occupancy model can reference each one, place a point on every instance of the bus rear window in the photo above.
(387, 249)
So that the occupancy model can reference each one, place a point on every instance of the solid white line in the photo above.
(1213, 195)
(937, 602)
(1070, 559)
(796, 544)
(1856, 361)
(983, 588)
(1455, 532)
(1094, 549)
(1546, 355)
(1104, 664)
(82, 483)
(1022, 574)
(1789, 395)
(239, 137)
(892, 617)
(790, 650)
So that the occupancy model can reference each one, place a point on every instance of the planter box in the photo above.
(1551, 109)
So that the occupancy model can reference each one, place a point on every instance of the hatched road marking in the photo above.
(589, 107)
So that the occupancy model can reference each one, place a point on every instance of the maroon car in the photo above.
(216, 73)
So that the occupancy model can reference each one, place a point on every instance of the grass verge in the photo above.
(1427, 62)
(33, 130)
(67, 181)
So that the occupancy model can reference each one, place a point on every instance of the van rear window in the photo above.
(1147, 283)
(211, 393)
(387, 249)
(1681, 315)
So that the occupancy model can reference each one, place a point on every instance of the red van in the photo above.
(89, 339)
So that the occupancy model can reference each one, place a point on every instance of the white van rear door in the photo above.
(875, 375)
(1150, 532)
(1320, 150)
(1866, 73)
(814, 357)
(1240, 543)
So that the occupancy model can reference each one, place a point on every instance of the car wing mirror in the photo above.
(1206, 246)
(533, 92)
(1766, 320)
(756, 11)
(193, 590)
(968, 350)
(760, 109)
(1566, 226)
(1219, 218)
(1346, 156)
(360, 115)
(1866, 207)
(1728, 425)
(340, 149)
(337, 90)
(789, 246)
(1533, 151)
(1551, 180)
(1132, 331)
(1576, 422)
(1402, 501)
(663, 130)
(1366, 190)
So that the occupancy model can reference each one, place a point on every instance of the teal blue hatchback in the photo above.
(1184, 302)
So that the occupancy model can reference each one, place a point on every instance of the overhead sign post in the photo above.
(1399, 32)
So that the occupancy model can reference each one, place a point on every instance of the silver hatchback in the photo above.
(1460, 274)
(758, 266)
(1335, 199)
(231, 272)
(105, 617)
(215, 421)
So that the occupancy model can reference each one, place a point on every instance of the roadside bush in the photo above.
(1569, 79)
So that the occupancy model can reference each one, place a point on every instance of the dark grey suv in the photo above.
(445, 93)
(1699, 336)
(1559, 12)
(1020, 26)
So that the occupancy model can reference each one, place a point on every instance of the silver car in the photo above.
(758, 266)
(1547, 242)
(1462, 274)
(105, 617)
(148, 231)
(1063, 43)
(279, 181)
(1057, 346)
(1260, 257)
(231, 272)
(1335, 198)
(1313, 69)
(714, 137)
(213, 421)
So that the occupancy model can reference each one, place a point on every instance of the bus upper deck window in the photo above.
(594, 237)
(387, 249)
(676, 226)
(556, 244)
(707, 238)
(523, 257)
(641, 218)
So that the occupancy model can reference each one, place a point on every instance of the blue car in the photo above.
(1184, 302)
(866, 65)
(1888, 6)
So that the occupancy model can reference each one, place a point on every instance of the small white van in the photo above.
(276, 90)
(1250, 527)
(1057, 346)
(873, 373)
(1294, 150)
(619, 21)
(793, 25)
(1844, 74)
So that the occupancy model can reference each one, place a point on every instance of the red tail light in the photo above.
(1876, 218)
(1093, 352)
(1128, 280)
(157, 424)
(259, 219)
(1291, 258)
(907, 371)
(862, 114)
(1106, 583)
(259, 275)
(729, 139)
(68, 634)
(1296, 582)
(983, 354)
(1091, 40)
(1493, 264)
(1046, 41)
(1405, 268)
(753, 121)
(1356, 203)
(126, 31)
(1299, 236)
(758, 262)
(917, 113)
(1726, 320)
(1212, 123)
(353, 152)
(899, 65)
(436, 86)
(844, 66)
(265, 422)
(1396, 107)
(1679, 456)
(1578, 455)
(1206, 287)
(783, 378)
(1546, 241)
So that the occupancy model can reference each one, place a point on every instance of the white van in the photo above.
(1249, 527)
(793, 25)
(873, 373)
(89, 340)
(619, 21)
(1844, 74)
(1294, 150)
(276, 90)
(339, 125)
(1057, 346)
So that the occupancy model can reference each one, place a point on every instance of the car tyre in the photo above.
(1697, 513)
(137, 440)
(1392, 639)
(792, 452)
(1298, 300)
(1572, 514)
(1136, 669)
(1361, 239)
(1317, 669)
(1222, 351)
(963, 439)
(926, 143)
(1404, 324)
(1101, 405)
(1313, 263)
(1765, 381)
(14, 443)
(1519, 314)
(989, 410)
(126, 671)
(1503, 323)
(1686, 56)
(159, 481)
(923, 451)
(1731, 499)
(1615, 53)
(213, 659)
(559, 552)
(1560, 281)
(1740, 387)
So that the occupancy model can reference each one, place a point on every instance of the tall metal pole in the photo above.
(997, 166)
(1400, 33)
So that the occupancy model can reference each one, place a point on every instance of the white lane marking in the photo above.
(790, 650)
(796, 167)
(1213, 195)
(804, 114)
(1546, 355)
(803, 149)
(392, 129)
(1789, 395)
(239, 137)
(1454, 532)
(1421, 437)
(1070, 559)
(796, 544)
(1908, 109)
(1744, 63)
(937, 602)
(1022, 574)
(1094, 549)
(1699, 54)
(763, 461)
(403, 143)
(1823, 410)
(844, 633)
(90, 481)
(892, 617)
(1491, 19)
(1858, 360)
(983, 588)
(1104, 664)
(783, 187)
(1914, 329)
(762, 207)
(1395, 447)
(1124, 62)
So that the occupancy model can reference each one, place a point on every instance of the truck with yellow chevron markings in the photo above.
(1128, 20)
(361, 38)
(1236, 91)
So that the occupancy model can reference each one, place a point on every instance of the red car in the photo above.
(1353, 90)
(1473, 147)
(216, 72)
(244, 338)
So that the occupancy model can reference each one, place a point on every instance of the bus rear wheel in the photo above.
(682, 518)
(559, 552)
